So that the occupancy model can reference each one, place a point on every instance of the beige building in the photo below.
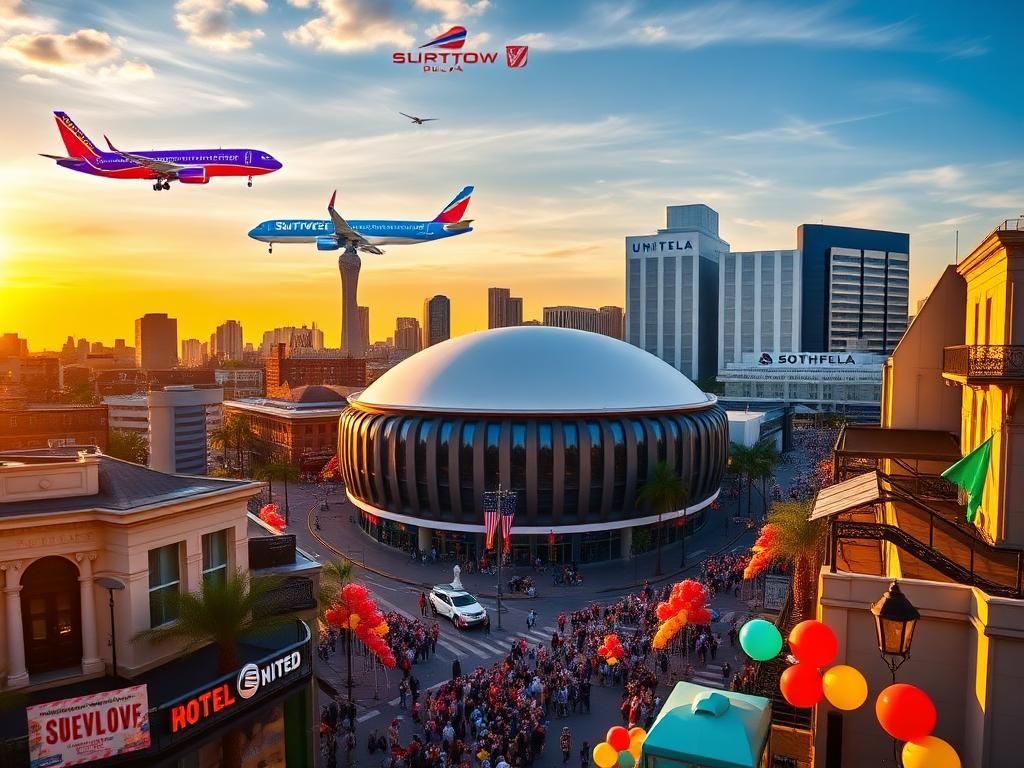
(949, 385)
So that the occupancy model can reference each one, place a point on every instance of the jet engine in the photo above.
(327, 244)
(193, 176)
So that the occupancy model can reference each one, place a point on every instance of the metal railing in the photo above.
(988, 361)
(1011, 225)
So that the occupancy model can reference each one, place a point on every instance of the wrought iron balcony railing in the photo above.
(984, 361)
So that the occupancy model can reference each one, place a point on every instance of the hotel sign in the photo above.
(814, 359)
(88, 728)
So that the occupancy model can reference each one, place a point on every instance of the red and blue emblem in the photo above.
(453, 38)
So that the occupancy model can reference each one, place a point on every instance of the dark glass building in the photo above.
(573, 422)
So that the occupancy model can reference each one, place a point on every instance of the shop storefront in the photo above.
(390, 532)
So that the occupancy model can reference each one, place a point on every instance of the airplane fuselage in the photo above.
(376, 232)
(217, 162)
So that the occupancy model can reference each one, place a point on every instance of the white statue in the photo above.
(456, 582)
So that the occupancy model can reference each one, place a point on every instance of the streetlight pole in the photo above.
(111, 585)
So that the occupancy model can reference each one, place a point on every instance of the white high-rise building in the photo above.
(191, 353)
(868, 300)
(672, 290)
(226, 341)
(178, 427)
(759, 294)
(580, 318)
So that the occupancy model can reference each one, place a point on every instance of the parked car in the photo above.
(457, 605)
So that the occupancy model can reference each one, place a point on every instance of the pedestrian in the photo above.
(414, 687)
(403, 692)
(726, 671)
(433, 554)
(456, 669)
(585, 755)
(565, 742)
(531, 619)
(423, 604)
(487, 623)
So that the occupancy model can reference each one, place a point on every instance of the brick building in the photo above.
(311, 367)
(34, 426)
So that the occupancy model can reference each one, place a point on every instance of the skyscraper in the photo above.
(364, 326)
(407, 335)
(349, 265)
(156, 341)
(759, 295)
(437, 319)
(672, 290)
(855, 293)
(611, 321)
(503, 310)
(580, 318)
(191, 353)
(226, 342)
(12, 346)
(290, 336)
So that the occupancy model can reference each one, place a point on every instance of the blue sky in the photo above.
(898, 116)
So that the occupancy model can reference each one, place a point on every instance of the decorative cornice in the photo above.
(80, 556)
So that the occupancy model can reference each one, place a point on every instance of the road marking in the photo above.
(367, 716)
(698, 553)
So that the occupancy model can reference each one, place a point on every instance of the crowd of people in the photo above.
(722, 574)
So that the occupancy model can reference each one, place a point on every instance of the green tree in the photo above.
(742, 464)
(799, 541)
(334, 574)
(221, 612)
(665, 492)
(280, 469)
(221, 438)
(128, 445)
(235, 434)
(764, 460)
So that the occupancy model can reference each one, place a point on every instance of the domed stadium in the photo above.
(572, 422)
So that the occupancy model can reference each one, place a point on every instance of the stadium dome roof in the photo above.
(533, 370)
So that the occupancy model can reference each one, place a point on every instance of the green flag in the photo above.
(970, 473)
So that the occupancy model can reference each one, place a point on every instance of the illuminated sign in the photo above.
(88, 728)
(227, 693)
(807, 359)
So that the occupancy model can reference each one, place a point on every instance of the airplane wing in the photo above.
(405, 115)
(157, 166)
(346, 234)
(427, 119)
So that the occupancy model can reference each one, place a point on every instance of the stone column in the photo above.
(17, 674)
(424, 538)
(626, 543)
(91, 662)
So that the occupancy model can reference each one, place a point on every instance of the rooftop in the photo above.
(531, 370)
(874, 442)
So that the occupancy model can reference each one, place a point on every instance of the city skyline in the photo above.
(555, 194)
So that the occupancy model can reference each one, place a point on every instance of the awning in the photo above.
(872, 442)
(847, 495)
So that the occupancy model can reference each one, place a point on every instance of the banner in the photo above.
(776, 590)
(88, 728)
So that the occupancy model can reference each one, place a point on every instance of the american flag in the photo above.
(508, 512)
(499, 505)
(490, 516)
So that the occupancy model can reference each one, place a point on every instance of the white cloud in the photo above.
(36, 80)
(209, 23)
(127, 70)
(454, 10)
(55, 51)
(347, 26)
(14, 17)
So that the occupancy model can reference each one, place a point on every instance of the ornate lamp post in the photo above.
(111, 585)
(895, 619)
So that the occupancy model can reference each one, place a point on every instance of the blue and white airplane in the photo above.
(366, 235)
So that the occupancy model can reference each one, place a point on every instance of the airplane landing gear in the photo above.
(270, 248)
(167, 185)
(157, 187)
(250, 181)
(159, 184)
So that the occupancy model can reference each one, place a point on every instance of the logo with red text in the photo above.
(444, 54)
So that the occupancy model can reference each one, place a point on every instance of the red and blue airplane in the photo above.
(189, 166)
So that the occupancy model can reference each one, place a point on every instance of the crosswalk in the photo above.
(478, 645)
(709, 676)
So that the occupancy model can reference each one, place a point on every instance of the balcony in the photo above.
(971, 364)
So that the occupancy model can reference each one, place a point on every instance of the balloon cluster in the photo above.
(353, 609)
(611, 649)
(904, 711)
(620, 748)
(762, 551)
(331, 473)
(686, 603)
(268, 514)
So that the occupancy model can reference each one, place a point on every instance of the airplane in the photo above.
(365, 235)
(418, 120)
(189, 166)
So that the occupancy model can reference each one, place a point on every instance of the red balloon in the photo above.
(813, 643)
(905, 712)
(618, 738)
(665, 611)
(801, 685)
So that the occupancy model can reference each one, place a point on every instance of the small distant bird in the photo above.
(418, 120)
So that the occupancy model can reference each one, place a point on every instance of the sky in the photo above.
(901, 116)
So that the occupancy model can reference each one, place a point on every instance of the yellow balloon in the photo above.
(382, 628)
(634, 748)
(605, 755)
(353, 621)
(637, 731)
(612, 661)
(930, 752)
(845, 687)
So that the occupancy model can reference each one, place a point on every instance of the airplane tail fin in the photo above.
(75, 140)
(456, 208)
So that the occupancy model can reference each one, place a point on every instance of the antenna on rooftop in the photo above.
(957, 256)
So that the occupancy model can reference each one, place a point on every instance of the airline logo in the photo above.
(453, 38)
(515, 56)
(448, 55)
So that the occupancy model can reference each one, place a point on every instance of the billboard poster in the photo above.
(776, 590)
(88, 728)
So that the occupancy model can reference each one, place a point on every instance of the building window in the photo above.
(215, 557)
(164, 584)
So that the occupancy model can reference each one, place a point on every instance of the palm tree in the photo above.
(242, 436)
(282, 469)
(764, 460)
(221, 438)
(800, 541)
(221, 612)
(265, 473)
(741, 464)
(334, 574)
(666, 492)
(128, 445)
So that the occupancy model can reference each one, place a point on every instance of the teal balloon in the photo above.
(760, 640)
(626, 759)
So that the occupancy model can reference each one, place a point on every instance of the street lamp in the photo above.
(111, 585)
(895, 619)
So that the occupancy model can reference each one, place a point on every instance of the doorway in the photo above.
(52, 615)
